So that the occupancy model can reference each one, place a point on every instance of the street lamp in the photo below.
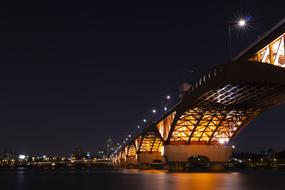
(240, 23)
(167, 99)
(184, 73)
(151, 112)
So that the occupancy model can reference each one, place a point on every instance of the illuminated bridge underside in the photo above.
(131, 150)
(225, 100)
(150, 142)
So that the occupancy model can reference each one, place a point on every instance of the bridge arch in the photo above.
(216, 110)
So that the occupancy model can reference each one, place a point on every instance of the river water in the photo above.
(92, 179)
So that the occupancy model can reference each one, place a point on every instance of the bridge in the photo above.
(214, 109)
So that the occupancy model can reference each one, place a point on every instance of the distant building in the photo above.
(109, 147)
(77, 154)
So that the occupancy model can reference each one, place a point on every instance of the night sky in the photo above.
(74, 74)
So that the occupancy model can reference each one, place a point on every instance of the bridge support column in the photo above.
(178, 155)
(147, 159)
(122, 162)
(131, 162)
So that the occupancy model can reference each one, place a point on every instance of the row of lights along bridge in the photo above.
(165, 101)
(241, 23)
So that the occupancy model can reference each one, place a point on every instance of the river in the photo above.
(97, 179)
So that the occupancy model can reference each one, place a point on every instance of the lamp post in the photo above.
(241, 23)
(167, 99)
(184, 86)
(151, 112)
(140, 123)
(184, 73)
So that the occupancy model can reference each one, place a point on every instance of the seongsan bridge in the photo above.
(214, 109)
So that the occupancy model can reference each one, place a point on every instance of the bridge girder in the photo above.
(225, 100)
(221, 103)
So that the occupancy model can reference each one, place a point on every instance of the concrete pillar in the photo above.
(177, 155)
(181, 153)
(131, 162)
(122, 162)
(149, 157)
(146, 160)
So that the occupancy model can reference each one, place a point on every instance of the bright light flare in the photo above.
(242, 22)
(22, 157)
(223, 140)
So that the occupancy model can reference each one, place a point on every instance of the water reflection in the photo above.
(208, 181)
(92, 179)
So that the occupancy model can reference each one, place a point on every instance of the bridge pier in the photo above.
(147, 159)
(178, 155)
(131, 162)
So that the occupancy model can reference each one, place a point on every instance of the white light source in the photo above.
(138, 126)
(22, 157)
(233, 147)
(153, 111)
(130, 135)
(168, 97)
(221, 141)
(165, 108)
(144, 120)
(241, 22)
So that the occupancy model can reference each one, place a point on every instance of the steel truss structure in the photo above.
(273, 53)
(223, 100)
(150, 142)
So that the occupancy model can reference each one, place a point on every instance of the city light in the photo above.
(138, 126)
(22, 157)
(144, 120)
(153, 111)
(168, 97)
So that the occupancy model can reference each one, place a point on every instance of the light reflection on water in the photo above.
(71, 179)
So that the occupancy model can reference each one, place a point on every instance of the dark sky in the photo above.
(74, 74)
